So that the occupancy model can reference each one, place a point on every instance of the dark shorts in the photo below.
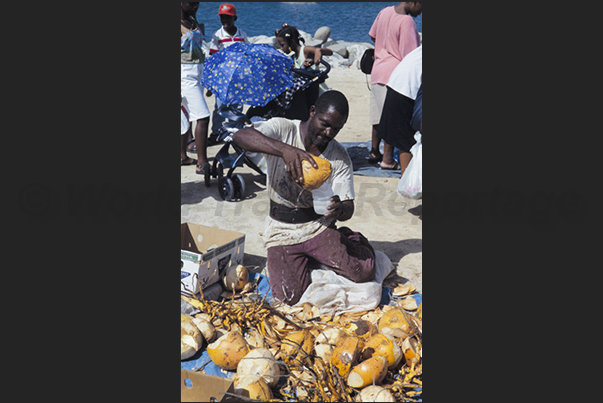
(394, 126)
(347, 253)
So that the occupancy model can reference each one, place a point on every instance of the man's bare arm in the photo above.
(252, 140)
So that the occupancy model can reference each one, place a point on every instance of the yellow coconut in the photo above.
(228, 350)
(315, 178)
(236, 278)
(375, 393)
(382, 345)
(296, 346)
(395, 323)
(345, 354)
(368, 372)
(260, 362)
(253, 387)
(420, 311)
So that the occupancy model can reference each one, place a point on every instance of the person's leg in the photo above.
(395, 129)
(375, 155)
(192, 95)
(185, 132)
(201, 142)
(388, 157)
(288, 272)
(376, 108)
(404, 161)
(185, 159)
(216, 119)
(347, 253)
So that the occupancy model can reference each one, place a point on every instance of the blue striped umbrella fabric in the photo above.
(247, 73)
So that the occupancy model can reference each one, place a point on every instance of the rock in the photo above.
(314, 42)
(356, 50)
(340, 48)
(328, 43)
(307, 37)
(322, 34)
(337, 61)
(270, 40)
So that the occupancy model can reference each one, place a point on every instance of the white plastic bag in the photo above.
(411, 183)
(335, 294)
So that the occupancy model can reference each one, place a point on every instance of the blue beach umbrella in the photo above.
(245, 73)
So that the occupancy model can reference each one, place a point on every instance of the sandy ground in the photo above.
(393, 224)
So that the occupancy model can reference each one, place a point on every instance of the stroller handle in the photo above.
(312, 73)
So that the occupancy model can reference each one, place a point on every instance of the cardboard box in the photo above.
(198, 387)
(205, 253)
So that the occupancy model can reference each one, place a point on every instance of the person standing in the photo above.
(227, 35)
(192, 59)
(395, 35)
(402, 109)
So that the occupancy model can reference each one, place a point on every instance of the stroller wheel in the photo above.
(226, 188)
(239, 183)
(220, 170)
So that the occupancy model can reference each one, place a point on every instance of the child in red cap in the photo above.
(224, 37)
(229, 33)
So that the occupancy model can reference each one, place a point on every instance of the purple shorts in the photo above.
(347, 253)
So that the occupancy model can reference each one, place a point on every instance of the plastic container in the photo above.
(322, 198)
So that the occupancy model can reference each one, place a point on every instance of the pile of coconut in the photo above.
(284, 353)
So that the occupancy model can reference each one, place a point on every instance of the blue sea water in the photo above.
(348, 21)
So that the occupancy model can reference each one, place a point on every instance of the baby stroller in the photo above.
(291, 104)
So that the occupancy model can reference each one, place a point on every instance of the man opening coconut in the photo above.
(297, 238)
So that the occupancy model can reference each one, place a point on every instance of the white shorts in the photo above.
(192, 91)
(378, 92)
(184, 123)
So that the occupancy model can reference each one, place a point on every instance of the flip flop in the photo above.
(397, 167)
(377, 159)
(191, 161)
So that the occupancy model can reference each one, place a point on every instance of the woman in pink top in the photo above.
(395, 35)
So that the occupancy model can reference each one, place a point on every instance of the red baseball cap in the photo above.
(228, 9)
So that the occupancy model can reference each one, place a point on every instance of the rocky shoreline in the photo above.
(345, 54)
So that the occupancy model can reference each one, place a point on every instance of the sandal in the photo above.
(189, 161)
(205, 170)
(193, 148)
(202, 170)
(396, 167)
(375, 156)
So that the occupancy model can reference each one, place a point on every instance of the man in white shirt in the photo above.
(395, 126)
(294, 234)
